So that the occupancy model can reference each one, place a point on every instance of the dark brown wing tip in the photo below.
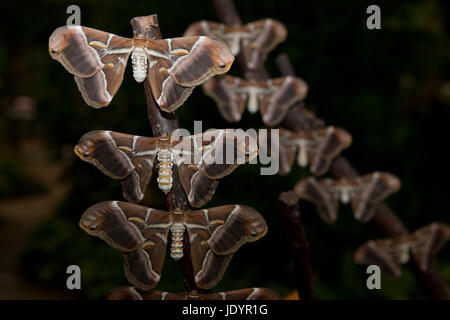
(89, 220)
(392, 181)
(300, 187)
(344, 137)
(57, 40)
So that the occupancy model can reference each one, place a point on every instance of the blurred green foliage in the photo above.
(15, 180)
(384, 86)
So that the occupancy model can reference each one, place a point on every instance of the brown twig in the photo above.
(163, 123)
(227, 14)
(292, 221)
(385, 218)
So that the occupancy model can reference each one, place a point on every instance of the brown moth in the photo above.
(364, 193)
(391, 254)
(316, 147)
(131, 159)
(141, 233)
(98, 59)
(255, 39)
(272, 97)
(131, 293)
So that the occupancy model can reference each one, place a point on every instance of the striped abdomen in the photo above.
(139, 60)
(177, 232)
(165, 159)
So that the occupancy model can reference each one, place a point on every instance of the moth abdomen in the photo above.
(177, 232)
(165, 180)
(139, 60)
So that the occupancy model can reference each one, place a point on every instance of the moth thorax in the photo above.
(177, 232)
(345, 195)
(252, 99)
(234, 43)
(139, 60)
(165, 159)
(302, 156)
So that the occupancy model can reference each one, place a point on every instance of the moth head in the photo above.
(58, 41)
(92, 219)
(85, 147)
(222, 56)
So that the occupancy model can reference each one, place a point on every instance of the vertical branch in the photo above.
(227, 14)
(292, 221)
(164, 123)
(385, 218)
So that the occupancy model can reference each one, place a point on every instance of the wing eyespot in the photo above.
(222, 65)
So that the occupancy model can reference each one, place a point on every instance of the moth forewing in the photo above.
(373, 252)
(285, 92)
(247, 225)
(210, 57)
(326, 202)
(427, 242)
(230, 102)
(378, 186)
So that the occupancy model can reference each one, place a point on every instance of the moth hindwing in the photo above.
(141, 233)
(200, 159)
(98, 59)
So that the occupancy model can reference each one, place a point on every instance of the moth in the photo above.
(364, 192)
(141, 233)
(200, 159)
(391, 254)
(272, 97)
(131, 293)
(255, 39)
(98, 59)
(317, 148)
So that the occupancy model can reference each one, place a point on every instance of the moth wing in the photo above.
(223, 90)
(198, 187)
(428, 241)
(385, 253)
(97, 59)
(283, 94)
(124, 157)
(375, 188)
(225, 150)
(316, 192)
(213, 243)
(178, 65)
(331, 141)
(155, 231)
(122, 225)
(265, 35)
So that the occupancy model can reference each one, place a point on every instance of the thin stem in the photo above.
(164, 123)
(292, 221)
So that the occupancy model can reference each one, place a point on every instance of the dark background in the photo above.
(390, 88)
